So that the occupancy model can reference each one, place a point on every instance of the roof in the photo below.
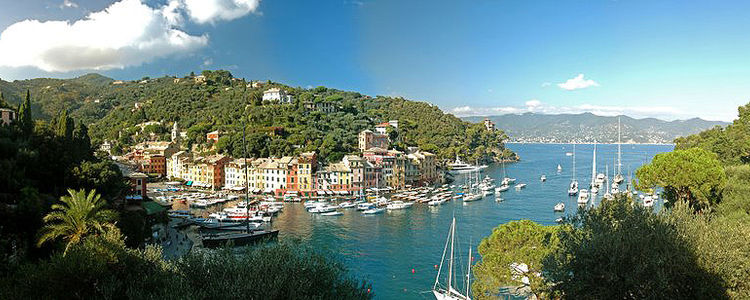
(386, 124)
(137, 175)
(152, 207)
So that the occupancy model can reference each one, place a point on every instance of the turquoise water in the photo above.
(383, 249)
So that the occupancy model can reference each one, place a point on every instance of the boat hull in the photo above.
(239, 239)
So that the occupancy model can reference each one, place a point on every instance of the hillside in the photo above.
(587, 127)
(218, 101)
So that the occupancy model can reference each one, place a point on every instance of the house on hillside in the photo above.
(277, 94)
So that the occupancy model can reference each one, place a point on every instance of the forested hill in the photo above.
(114, 108)
(587, 127)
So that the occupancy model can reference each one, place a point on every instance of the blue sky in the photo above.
(666, 59)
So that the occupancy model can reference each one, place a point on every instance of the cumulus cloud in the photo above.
(576, 83)
(210, 11)
(127, 33)
(536, 106)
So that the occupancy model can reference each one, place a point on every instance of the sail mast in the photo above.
(593, 168)
(619, 142)
(450, 266)
(442, 259)
(468, 274)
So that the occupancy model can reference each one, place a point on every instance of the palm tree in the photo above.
(79, 215)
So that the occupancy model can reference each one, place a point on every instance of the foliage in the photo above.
(509, 245)
(103, 268)
(720, 243)
(80, 214)
(618, 250)
(731, 144)
(222, 102)
(693, 175)
(735, 201)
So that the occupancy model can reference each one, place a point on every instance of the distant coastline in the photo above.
(589, 143)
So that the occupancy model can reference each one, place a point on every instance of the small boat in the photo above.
(502, 188)
(559, 168)
(560, 206)
(238, 238)
(365, 206)
(373, 211)
(436, 202)
(648, 201)
(346, 204)
(543, 178)
(472, 197)
(398, 205)
(499, 199)
(573, 189)
(333, 213)
(583, 197)
(520, 186)
(559, 220)
(487, 193)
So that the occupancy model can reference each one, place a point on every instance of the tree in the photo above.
(693, 175)
(512, 256)
(25, 120)
(617, 250)
(80, 215)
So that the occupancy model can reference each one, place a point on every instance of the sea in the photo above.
(398, 252)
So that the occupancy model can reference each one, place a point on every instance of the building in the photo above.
(151, 157)
(306, 168)
(138, 186)
(489, 125)
(339, 177)
(368, 139)
(277, 94)
(178, 165)
(176, 133)
(235, 173)
(426, 166)
(274, 176)
(207, 171)
(383, 163)
(7, 116)
(213, 136)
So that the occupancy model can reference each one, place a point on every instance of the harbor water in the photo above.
(397, 251)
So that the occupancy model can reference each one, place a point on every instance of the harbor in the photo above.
(398, 247)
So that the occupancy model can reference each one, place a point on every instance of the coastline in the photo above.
(589, 143)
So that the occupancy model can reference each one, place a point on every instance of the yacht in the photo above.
(583, 197)
(502, 188)
(333, 213)
(573, 189)
(543, 178)
(559, 168)
(373, 211)
(472, 197)
(560, 206)
(398, 205)
(459, 167)
(520, 186)
(448, 292)
(346, 204)
(648, 201)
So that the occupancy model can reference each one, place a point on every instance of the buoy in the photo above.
(368, 291)
(412, 271)
(436, 266)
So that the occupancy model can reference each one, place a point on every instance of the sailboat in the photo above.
(573, 190)
(559, 168)
(449, 292)
(506, 180)
(607, 195)
(618, 175)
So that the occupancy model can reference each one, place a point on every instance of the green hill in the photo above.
(112, 109)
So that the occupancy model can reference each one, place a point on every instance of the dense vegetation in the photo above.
(101, 267)
(224, 102)
(695, 247)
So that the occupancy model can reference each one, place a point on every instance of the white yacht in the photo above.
(502, 188)
(459, 167)
(373, 211)
(398, 205)
(573, 189)
(543, 178)
(520, 186)
(583, 197)
(560, 206)
(449, 292)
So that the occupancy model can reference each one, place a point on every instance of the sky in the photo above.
(664, 59)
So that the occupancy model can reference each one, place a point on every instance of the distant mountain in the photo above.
(587, 127)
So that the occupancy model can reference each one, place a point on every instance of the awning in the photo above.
(173, 183)
(268, 190)
(189, 183)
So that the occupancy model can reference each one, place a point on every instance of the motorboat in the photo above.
(573, 189)
(472, 197)
(648, 201)
(520, 186)
(332, 213)
(502, 188)
(459, 167)
(373, 211)
(583, 197)
(346, 204)
(543, 178)
(398, 205)
(365, 206)
(560, 206)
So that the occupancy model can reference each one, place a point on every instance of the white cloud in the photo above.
(127, 33)
(68, 4)
(207, 62)
(536, 106)
(210, 11)
(577, 83)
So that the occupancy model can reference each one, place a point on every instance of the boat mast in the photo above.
(247, 182)
(468, 274)
(606, 167)
(593, 168)
(450, 266)
(442, 259)
(619, 142)
(574, 162)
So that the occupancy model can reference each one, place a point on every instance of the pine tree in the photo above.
(3, 103)
(25, 120)
(65, 125)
